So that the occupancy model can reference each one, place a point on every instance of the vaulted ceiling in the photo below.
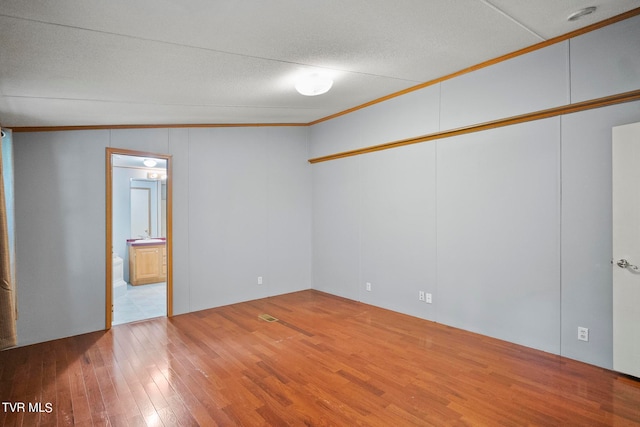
(118, 62)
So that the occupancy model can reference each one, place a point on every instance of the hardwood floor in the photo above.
(327, 361)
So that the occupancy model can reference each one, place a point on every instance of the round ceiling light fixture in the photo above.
(580, 13)
(313, 84)
(149, 163)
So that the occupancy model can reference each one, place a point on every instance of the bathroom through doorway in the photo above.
(138, 282)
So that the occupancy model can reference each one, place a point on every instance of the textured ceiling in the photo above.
(97, 62)
(136, 162)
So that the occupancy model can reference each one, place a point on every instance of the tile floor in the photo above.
(140, 302)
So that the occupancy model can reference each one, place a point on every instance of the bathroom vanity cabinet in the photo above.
(147, 263)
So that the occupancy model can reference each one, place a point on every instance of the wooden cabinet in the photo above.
(147, 264)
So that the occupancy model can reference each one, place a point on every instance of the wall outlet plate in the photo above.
(421, 295)
(259, 280)
(428, 298)
(583, 333)
(368, 286)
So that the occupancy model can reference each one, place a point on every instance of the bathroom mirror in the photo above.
(146, 208)
(140, 212)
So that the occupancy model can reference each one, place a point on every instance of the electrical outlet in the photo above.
(259, 280)
(583, 333)
(368, 286)
(421, 295)
(428, 298)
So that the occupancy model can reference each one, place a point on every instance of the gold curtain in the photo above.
(8, 333)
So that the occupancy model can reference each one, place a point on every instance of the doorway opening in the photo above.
(139, 236)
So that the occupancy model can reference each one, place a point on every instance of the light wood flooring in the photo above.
(328, 361)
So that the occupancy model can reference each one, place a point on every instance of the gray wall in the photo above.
(242, 209)
(587, 295)
(249, 214)
(509, 229)
(498, 219)
(60, 233)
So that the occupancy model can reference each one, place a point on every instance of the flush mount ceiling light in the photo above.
(149, 163)
(313, 84)
(582, 12)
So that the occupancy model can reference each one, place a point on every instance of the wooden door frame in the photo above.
(109, 226)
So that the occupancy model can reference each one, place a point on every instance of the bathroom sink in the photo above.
(149, 241)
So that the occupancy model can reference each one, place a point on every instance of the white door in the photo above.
(626, 249)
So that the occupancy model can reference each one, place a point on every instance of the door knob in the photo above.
(623, 263)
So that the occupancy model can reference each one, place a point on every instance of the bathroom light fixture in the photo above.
(580, 13)
(156, 175)
(149, 163)
(313, 84)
